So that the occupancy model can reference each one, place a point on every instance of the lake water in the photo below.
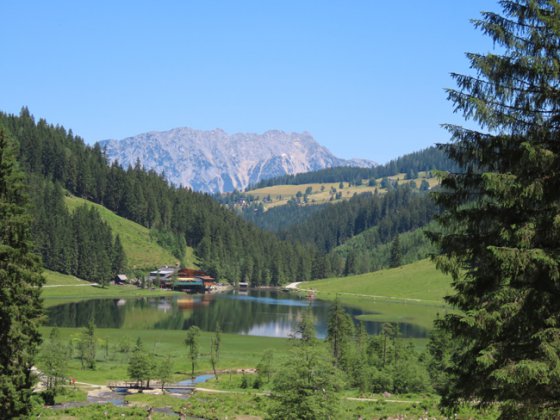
(256, 312)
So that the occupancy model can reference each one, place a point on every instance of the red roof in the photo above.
(190, 272)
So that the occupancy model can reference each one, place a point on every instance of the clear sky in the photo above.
(365, 78)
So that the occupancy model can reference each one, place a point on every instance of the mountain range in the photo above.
(215, 161)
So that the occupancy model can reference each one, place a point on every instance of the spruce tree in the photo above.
(20, 285)
(501, 217)
(340, 331)
(395, 259)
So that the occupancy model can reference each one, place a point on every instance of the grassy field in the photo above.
(412, 293)
(238, 351)
(419, 281)
(142, 252)
(58, 279)
(325, 193)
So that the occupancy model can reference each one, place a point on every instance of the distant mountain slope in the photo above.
(215, 161)
(410, 164)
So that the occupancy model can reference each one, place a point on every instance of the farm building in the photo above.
(120, 279)
(189, 286)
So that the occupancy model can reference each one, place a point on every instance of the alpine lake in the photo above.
(268, 313)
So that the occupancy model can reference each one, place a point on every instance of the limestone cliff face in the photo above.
(214, 161)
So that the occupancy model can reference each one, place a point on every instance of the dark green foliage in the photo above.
(94, 244)
(20, 285)
(501, 242)
(340, 332)
(370, 253)
(244, 381)
(398, 211)
(118, 263)
(177, 216)
(280, 218)
(80, 243)
(424, 160)
(379, 217)
(170, 241)
(439, 364)
(396, 253)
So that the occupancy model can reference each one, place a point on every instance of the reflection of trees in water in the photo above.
(375, 327)
(259, 312)
(106, 313)
(237, 314)
(174, 321)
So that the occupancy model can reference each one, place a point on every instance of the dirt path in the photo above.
(70, 285)
(294, 286)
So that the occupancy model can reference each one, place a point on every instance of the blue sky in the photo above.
(365, 78)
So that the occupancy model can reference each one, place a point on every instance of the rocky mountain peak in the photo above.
(215, 161)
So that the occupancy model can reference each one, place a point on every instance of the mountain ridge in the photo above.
(215, 161)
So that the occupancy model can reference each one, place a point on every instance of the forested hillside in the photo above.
(366, 224)
(229, 247)
(315, 246)
(397, 211)
(411, 164)
(355, 235)
(78, 243)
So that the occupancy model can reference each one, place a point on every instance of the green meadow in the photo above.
(321, 193)
(238, 351)
(412, 293)
(419, 281)
(142, 251)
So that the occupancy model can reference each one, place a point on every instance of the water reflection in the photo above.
(261, 313)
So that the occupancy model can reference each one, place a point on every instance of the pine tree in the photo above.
(20, 285)
(340, 331)
(501, 219)
(395, 259)
(118, 265)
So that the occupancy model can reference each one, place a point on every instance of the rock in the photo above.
(215, 161)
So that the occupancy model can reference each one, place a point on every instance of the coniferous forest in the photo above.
(56, 161)
(492, 227)
(424, 160)
(80, 243)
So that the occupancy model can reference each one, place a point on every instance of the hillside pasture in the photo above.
(141, 250)
(419, 281)
(412, 293)
(322, 193)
